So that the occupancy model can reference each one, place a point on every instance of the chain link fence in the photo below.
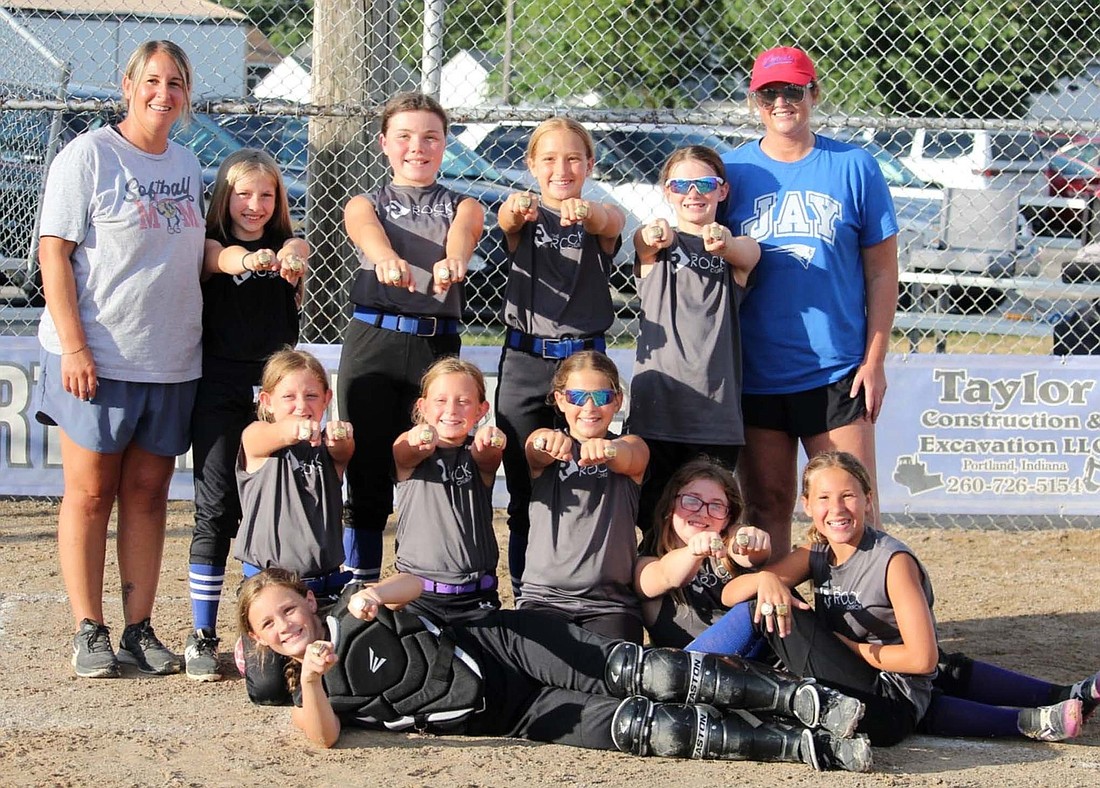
(984, 117)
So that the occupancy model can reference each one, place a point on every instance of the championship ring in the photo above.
(305, 432)
(582, 210)
(395, 274)
(715, 232)
(539, 444)
(497, 441)
(523, 201)
(655, 233)
(339, 432)
(426, 435)
(295, 263)
(743, 540)
(610, 452)
(264, 258)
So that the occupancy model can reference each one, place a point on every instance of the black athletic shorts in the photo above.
(805, 413)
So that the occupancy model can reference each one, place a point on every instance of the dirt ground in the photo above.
(1027, 601)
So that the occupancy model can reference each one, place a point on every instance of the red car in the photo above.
(1074, 171)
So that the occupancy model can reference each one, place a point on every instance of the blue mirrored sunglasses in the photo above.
(599, 397)
(702, 185)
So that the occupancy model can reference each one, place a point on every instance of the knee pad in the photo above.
(623, 671)
(668, 730)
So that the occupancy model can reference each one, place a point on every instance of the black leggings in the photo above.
(811, 649)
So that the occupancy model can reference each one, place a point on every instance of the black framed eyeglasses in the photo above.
(692, 503)
(792, 94)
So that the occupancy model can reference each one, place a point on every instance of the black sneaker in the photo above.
(823, 752)
(817, 706)
(140, 646)
(1088, 692)
(93, 657)
(200, 656)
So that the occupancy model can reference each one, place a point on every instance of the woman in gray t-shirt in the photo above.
(121, 251)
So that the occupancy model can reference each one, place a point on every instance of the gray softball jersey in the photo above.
(851, 599)
(582, 544)
(558, 284)
(291, 512)
(686, 385)
(416, 220)
(445, 520)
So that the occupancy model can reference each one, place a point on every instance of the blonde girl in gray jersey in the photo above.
(557, 302)
(446, 465)
(289, 473)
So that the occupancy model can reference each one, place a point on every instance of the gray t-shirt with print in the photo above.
(583, 543)
(558, 283)
(445, 519)
(686, 385)
(137, 222)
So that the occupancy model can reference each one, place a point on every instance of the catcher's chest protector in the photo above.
(395, 673)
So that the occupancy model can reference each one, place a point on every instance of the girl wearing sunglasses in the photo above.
(699, 548)
(585, 482)
(686, 389)
(816, 326)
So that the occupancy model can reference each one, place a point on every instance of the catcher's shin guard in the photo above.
(680, 730)
(728, 682)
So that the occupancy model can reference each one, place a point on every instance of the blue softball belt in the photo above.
(417, 325)
(553, 348)
(483, 583)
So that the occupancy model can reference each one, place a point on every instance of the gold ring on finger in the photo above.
(782, 610)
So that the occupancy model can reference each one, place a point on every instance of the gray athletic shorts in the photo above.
(155, 416)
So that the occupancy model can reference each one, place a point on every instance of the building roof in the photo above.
(143, 8)
(260, 50)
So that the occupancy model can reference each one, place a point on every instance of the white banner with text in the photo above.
(958, 434)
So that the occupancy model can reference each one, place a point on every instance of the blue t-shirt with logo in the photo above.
(804, 324)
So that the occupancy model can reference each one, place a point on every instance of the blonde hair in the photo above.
(578, 362)
(286, 362)
(251, 588)
(448, 365)
(245, 163)
(848, 463)
(702, 467)
(560, 123)
(412, 101)
(139, 61)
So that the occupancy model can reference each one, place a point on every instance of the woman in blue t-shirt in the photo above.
(816, 326)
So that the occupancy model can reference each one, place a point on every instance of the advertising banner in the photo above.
(958, 434)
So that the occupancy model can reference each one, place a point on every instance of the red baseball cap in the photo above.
(782, 64)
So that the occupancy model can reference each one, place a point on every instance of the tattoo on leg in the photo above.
(127, 589)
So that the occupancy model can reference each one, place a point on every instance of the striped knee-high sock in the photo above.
(205, 582)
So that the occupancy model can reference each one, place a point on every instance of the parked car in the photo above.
(27, 138)
(1072, 172)
(971, 158)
